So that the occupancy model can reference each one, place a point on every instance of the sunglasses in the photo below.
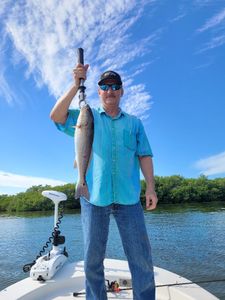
(114, 87)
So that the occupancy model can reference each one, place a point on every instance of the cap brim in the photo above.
(102, 81)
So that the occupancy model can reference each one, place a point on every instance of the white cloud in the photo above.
(47, 34)
(178, 18)
(3, 6)
(214, 21)
(138, 102)
(204, 3)
(213, 43)
(5, 90)
(216, 25)
(24, 182)
(212, 165)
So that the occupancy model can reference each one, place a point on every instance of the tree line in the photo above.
(170, 189)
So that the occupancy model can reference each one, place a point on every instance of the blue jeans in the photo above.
(132, 229)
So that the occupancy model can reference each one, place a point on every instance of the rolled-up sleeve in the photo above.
(143, 146)
(69, 126)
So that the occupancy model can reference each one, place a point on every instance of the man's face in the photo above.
(110, 98)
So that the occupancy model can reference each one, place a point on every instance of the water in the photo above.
(188, 240)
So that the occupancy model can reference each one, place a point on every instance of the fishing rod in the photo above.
(75, 294)
(188, 283)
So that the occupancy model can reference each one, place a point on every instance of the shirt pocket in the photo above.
(129, 140)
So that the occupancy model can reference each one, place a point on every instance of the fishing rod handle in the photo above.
(80, 53)
(80, 56)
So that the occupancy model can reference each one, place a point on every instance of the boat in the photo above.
(68, 283)
(52, 277)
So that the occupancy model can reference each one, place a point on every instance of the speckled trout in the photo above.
(84, 134)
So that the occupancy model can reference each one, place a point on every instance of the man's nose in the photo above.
(110, 89)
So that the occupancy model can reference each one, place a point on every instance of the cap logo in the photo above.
(109, 74)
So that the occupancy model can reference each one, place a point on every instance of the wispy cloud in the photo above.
(178, 18)
(3, 6)
(216, 25)
(213, 43)
(214, 21)
(6, 91)
(208, 63)
(46, 34)
(203, 3)
(20, 181)
(212, 165)
(140, 105)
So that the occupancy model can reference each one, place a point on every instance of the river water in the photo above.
(188, 240)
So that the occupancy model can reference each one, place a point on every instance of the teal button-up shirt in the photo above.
(113, 175)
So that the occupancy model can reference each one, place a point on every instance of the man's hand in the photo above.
(151, 199)
(80, 72)
(59, 112)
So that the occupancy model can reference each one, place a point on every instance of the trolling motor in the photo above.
(47, 265)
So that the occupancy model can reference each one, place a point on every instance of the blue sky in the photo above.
(171, 55)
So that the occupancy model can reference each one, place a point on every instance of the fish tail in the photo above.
(82, 190)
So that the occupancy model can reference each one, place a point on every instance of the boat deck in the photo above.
(70, 279)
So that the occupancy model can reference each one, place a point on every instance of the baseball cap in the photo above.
(110, 75)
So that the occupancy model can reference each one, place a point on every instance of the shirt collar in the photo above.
(121, 112)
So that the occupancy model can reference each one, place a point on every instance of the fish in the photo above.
(83, 139)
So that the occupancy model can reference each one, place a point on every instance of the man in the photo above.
(119, 149)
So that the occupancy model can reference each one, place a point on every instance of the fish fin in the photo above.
(76, 126)
(82, 190)
(75, 163)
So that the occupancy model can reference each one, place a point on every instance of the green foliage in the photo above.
(170, 189)
(166, 188)
(177, 189)
(32, 199)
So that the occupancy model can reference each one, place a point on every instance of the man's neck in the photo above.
(112, 111)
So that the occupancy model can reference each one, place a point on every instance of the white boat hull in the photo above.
(71, 279)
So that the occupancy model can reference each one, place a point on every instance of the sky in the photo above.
(170, 54)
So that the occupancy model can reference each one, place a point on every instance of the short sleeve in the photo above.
(71, 121)
(143, 146)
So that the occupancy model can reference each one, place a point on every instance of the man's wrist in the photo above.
(150, 188)
(75, 86)
(150, 184)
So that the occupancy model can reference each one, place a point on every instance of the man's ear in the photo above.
(122, 92)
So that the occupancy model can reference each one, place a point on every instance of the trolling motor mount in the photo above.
(47, 265)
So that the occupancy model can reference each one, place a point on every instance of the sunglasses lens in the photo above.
(104, 87)
(114, 87)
